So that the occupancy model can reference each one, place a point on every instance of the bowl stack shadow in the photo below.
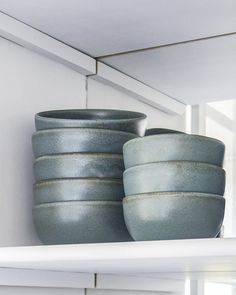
(174, 186)
(78, 171)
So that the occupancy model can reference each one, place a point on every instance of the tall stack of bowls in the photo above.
(174, 186)
(78, 171)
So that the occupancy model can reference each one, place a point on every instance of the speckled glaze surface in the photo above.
(74, 140)
(174, 177)
(127, 121)
(166, 216)
(80, 222)
(155, 131)
(173, 147)
(78, 189)
(79, 165)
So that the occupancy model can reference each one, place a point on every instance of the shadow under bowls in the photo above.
(175, 176)
(127, 121)
(173, 147)
(155, 131)
(80, 222)
(79, 165)
(166, 216)
(78, 189)
(74, 140)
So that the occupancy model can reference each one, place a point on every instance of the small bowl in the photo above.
(173, 147)
(167, 216)
(174, 176)
(79, 166)
(127, 121)
(75, 140)
(80, 222)
(78, 189)
(156, 131)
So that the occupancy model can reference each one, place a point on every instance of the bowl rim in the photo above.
(109, 181)
(82, 130)
(178, 135)
(81, 203)
(158, 195)
(78, 155)
(42, 116)
(171, 163)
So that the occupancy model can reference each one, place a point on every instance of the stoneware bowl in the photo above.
(74, 140)
(79, 165)
(174, 177)
(78, 189)
(155, 131)
(127, 121)
(80, 222)
(173, 147)
(166, 216)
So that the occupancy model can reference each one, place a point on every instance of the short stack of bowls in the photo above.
(78, 171)
(174, 186)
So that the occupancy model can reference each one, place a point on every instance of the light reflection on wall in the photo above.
(220, 122)
(217, 289)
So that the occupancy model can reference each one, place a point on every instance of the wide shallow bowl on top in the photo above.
(174, 176)
(80, 222)
(127, 121)
(166, 216)
(155, 131)
(79, 166)
(78, 189)
(173, 147)
(83, 140)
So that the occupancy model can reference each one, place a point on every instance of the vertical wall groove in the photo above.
(86, 92)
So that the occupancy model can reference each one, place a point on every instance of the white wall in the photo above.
(103, 96)
(30, 83)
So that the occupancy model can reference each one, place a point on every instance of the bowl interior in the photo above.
(156, 131)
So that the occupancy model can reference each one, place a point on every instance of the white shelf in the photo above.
(180, 256)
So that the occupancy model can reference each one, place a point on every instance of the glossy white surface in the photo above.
(104, 27)
(194, 73)
(181, 256)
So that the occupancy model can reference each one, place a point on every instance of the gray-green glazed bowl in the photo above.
(80, 222)
(127, 121)
(174, 176)
(158, 131)
(83, 140)
(173, 147)
(167, 216)
(78, 189)
(79, 166)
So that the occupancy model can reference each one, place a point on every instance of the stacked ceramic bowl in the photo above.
(78, 171)
(174, 185)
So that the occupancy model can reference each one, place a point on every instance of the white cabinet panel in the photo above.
(104, 27)
(145, 283)
(121, 292)
(40, 291)
(52, 279)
